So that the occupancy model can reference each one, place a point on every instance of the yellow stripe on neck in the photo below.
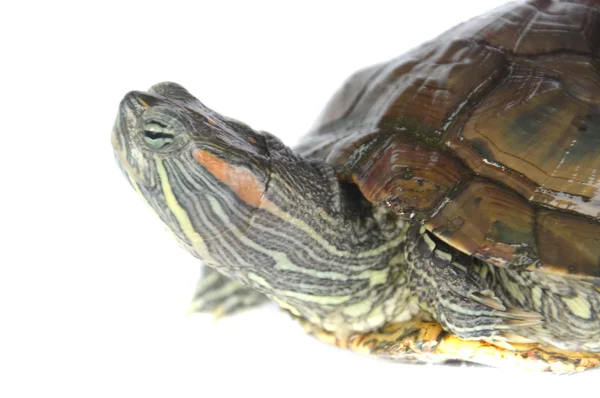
(183, 220)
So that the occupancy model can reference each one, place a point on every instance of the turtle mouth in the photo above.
(127, 154)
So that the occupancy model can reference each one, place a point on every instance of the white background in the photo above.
(93, 292)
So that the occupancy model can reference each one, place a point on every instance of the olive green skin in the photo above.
(489, 134)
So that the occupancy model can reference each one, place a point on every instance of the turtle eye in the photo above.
(157, 135)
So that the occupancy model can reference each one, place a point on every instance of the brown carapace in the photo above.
(490, 134)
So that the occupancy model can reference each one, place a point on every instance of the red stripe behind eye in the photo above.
(241, 181)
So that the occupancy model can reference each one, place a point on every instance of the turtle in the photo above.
(444, 207)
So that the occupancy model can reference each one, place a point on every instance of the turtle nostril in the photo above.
(140, 101)
(133, 104)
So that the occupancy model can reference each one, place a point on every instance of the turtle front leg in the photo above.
(448, 286)
(222, 296)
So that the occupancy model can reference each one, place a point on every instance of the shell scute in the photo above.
(532, 124)
(568, 243)
(408, 176)
(488, 222)
(525, 28)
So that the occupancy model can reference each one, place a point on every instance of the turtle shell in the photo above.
(489, 135)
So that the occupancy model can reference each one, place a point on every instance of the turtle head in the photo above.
(251, 208)
(185, 159)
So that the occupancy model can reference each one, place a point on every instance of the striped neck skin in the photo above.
(246, 205)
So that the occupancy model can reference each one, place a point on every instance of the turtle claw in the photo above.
(517, 339)
(517, 318)
(520, 314)
(485, 317)
(505, 339)
(501, 343)
(486, 299)
(517, 323)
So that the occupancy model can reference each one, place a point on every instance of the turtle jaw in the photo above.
(130, 158)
